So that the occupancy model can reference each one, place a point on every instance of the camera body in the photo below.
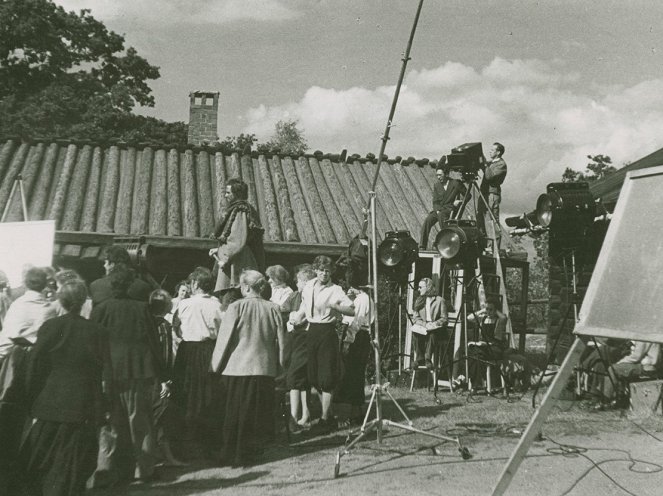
(466, 159)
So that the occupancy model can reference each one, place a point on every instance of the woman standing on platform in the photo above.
(64, 386)
(323, 304)
(247, 354)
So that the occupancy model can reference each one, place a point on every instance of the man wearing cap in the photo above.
(447, 195)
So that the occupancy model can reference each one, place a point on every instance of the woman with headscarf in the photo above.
(247, 354)
(64, 386)
(240, 237)
(430, 314)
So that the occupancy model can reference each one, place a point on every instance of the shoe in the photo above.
(293, 426)
(325, 426)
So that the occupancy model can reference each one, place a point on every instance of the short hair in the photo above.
(323, 262)
(121, 277)
(264, 289)
(35, 278)
(204, 277)
(305, 272)
(72, 294)
(239, 188)
(278, 273)
(117, 254)
(160, 302)
(252, 279)
(66, 275)
(500, 147)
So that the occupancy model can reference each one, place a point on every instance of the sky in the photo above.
(553, 80)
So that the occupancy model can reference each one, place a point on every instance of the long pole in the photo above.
(392, 111)
(376, 339)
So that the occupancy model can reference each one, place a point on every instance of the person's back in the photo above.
(256, 324)
(69, 388)
(130, 333)
(100, 290)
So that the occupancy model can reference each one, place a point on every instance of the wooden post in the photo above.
(539, 417)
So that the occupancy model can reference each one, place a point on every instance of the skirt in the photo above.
(248, 418)
(192, 381)
(323, 357)
(57, 458)
(296, 376)
(351, 389)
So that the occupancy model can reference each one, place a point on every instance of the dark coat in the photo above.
(64, 371)
(443, 200)
(100, 290)
(131, 339)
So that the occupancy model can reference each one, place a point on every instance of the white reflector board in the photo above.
(624, 299)
(25, 244)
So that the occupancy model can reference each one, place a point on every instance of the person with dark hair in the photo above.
(296, 354)
(132, 371)
(199, 319)
(491, 187)
(100, 289)
(164, 419)
(323, 304)
(20, 330)
(490, 344)
(240, 237)
(447, 195)
(65, 390)
(430, 314)
(247, 355)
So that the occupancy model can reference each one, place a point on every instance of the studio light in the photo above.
(458, 241)
(566, 205)
(398, 251)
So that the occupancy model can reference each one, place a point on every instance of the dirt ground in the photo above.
(614, 456)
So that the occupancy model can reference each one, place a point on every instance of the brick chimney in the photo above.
(203, 116)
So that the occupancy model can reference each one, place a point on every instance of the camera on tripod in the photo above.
(466, 159)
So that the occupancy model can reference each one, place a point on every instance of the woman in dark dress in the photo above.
(64, 384)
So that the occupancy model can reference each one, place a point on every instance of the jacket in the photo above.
(251, 339)
(64, 371)
(493, 177)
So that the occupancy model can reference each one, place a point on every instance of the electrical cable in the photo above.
(568, 450)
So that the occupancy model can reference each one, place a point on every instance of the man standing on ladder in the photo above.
(491, 188)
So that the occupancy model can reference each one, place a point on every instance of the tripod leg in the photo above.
(400, 409)
(366, 429)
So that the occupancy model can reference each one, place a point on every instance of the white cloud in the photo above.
(166, 12)
(544, 118)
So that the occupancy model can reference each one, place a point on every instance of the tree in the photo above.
(287, 139)
(66, 74)
(599, 167)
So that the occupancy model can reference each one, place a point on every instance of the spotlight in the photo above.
(398, 252)
(458, 242)
(564, 204)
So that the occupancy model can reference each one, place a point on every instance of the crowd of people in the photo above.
(100, 384)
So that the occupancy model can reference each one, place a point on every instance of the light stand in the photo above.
(378, 388)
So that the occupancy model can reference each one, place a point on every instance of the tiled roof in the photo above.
(609, 187)
(144, 190)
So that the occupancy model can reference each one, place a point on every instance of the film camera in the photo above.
(466, 159)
